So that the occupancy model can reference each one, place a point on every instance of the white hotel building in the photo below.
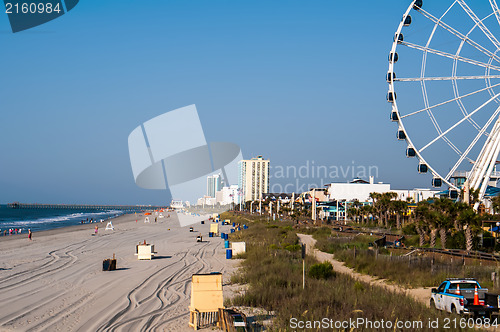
(253, 178)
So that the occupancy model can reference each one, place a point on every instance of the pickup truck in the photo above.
(457, 296)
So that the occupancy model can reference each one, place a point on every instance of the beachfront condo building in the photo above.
(253, 178)
(214, 184)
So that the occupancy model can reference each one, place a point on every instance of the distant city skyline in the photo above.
(295, 82)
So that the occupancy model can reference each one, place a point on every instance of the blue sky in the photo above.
(294, 81)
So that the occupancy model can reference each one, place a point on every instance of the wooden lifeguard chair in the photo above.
(214, 228)
(145, 250)
(206, 300)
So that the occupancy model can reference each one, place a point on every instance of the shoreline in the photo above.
(68, 229)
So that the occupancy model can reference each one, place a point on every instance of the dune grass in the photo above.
(420, 271)
(274, 275)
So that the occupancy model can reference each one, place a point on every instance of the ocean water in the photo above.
(44, 219)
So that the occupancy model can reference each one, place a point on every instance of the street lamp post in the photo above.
(496, 238)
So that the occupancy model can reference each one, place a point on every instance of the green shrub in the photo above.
(293, 247)
(321, 271)
(456, 241)
(409, 229)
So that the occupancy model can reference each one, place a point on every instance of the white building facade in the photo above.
(360, 190)
(253, 178)
(229, 195)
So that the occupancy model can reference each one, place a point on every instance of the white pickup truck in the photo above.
(457, 296)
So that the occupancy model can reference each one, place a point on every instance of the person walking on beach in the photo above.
(96, 229)
(29, 234)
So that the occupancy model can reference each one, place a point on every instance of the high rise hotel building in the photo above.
(214, 184)
(253, 178)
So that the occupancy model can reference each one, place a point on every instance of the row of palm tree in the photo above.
(432, 217)
(385, 209)
(439, 216)
(445, 217)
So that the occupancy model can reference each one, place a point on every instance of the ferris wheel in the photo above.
(444, 89)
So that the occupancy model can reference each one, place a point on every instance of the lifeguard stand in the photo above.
(206, 299)
(214, 228)
(145, 250)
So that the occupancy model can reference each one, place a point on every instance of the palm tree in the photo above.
(354, 210)
(470, 221)
(365, 211)
(495, 203)
(446, 211)
(399, 207)
(376, 205)
(421, 217)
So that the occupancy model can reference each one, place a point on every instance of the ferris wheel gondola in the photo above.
(464, 126)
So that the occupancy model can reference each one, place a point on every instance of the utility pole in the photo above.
(260, 204)
(303, 266)
(313, 204)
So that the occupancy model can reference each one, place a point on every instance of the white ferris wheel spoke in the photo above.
(473, 143)
(479, 23)
(451, 56)
(459, 35)
(446, 78)
(494, 6)
(424, 89)
(448, 101)
(459, 122)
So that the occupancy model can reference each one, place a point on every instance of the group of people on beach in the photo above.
(90, 221)
(15, 231)
(12, 231)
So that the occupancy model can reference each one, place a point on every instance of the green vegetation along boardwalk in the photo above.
(419, 294)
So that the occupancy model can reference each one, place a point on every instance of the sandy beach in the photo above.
(55, 282)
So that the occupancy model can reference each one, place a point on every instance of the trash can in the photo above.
(232, 230)
(234, 224)
(229, 253)
(203, 222)
(245, 226)
(210, 234)
(222, 236)
(226, 244)
(109, 265)
(226, 236)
